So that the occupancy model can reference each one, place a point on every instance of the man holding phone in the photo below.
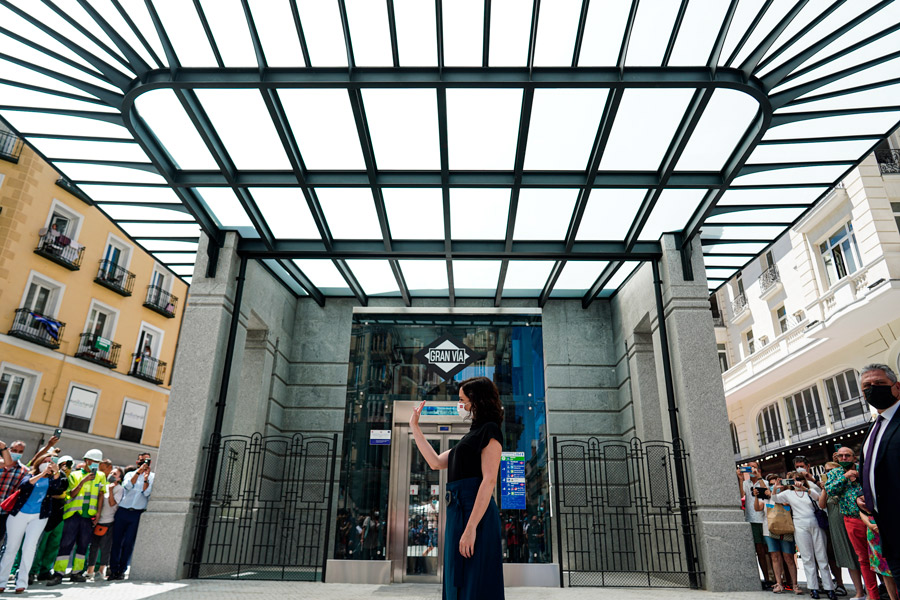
(138, 486)
(751, 476)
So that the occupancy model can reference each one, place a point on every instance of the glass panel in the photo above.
(736, 248)
(375, 277)
(350, 213)
(621, 275)
(424, 514)
(286, 212)
(369, 33)
(126, 212)
(62, 125)
(11, 393)
(230, 31)
(475, 277)
(225, 207)
(849, 256)
(643, 129)
(425, 277)
(482, 127)
(323, 274)
(16, 96)
(89, 151)
(576, 277)
(720, 272)
(161, 230)
(414, 213)
(738, 196)
(721, 127)
(510, 32)
(323, 125)
(251, 141)
(282, 274)
(557, 27)
(95, 172)
(671, 213)
(277, 33)
(852, 385)
(743, 17)
(404, 128)
(724, 261)
(137, 10)
(323, 32)
(759, 215)
(741, 233)
(698, 32)
(169, 245)
(609, 213)
(603, 32)
(881, 96)
(15, 23)
(479, 214)
(653, 26)
(544, 214)
(563, 127)
(463, 32)
(171, 125)
(526, 278)
(182, 26)
(416, 33)
(24, 75)
(130, 193)
(794, 175)
(860, 124)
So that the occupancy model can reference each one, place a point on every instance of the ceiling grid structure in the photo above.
(490, 149)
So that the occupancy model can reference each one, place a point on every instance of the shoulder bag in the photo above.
(821, 515)
(10, 501)
(779, 520)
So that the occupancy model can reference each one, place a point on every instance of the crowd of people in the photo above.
(61, 517)
(833, 520)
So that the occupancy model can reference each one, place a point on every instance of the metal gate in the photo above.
(621, 522)
(270, 509)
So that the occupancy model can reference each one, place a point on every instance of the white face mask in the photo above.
(43, 467)
(463, 413)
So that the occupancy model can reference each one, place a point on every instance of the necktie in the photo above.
(870, 448)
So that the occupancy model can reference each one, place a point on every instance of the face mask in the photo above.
(55, 459)
(846, 464)
(878, 396)
(16, 456)
(93, 467)
(801, 470)
(463, 413)
(43, 467)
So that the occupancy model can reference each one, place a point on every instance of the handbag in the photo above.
(821, 515)
(779, 520)
(10, 501)
(100, 530)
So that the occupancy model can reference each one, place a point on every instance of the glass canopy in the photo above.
(496, 148)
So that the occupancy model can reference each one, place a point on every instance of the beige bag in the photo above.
(779, 520)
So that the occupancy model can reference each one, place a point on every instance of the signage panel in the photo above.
(447, 356)
(380, 437)
(512, 480)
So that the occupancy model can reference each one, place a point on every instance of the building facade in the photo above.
(89, 321)
(795, 325)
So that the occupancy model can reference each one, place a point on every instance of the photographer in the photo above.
(756, 518)
(138, 486)
(780, 547)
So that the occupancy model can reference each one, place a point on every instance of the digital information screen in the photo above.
(512, 480)
(439, 411)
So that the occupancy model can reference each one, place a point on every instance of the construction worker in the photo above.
(87, 487)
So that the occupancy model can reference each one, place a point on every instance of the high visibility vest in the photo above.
(88, 498)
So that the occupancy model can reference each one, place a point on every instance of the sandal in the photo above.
(797, 590)
(778, 589)
(840, 590)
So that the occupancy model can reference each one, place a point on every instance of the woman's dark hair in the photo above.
(485, 399)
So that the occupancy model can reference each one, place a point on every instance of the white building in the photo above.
(796, 324)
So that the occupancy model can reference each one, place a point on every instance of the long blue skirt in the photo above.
(481, 576)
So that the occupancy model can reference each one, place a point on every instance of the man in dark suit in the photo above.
(880, 466)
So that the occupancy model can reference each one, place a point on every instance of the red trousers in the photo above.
(856, 531)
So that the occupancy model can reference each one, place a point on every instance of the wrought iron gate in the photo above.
(620, 519)
(270, 510)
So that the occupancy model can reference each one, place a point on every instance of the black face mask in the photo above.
(880, 396)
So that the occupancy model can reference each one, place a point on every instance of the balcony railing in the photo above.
(718, 321)
(161, 301)
(808, 427)
(850, 413)
(769, 279)
(888, 160)
(768, 442)
(739, 304)
(35, 327)
(10, 146)
(60, 249)
(147, 368)
(114, 277)
(98, 349)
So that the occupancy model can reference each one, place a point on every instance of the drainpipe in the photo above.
(687, 525)
(216, 436)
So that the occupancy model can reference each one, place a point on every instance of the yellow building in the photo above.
(89, 320)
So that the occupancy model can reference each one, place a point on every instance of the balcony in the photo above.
(35, 327)
(807, 427)
(718, 321)
(10, 146)
(850, 413)
(147, 368)
(770, 441)
(888, 161)
(98, 350)
(161, 301)
(115, 278)
(739, 308)
(769, 282)
(54, 246)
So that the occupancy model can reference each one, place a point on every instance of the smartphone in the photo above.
(57, 433)
(837, 447)
(787, 482)
(746, 469)
(146, 461)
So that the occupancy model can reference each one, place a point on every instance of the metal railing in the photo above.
(850, 413)
(888, 160)
(768, 440)
(10, 146)
(98, 349)
(718, 321)
(35, 327)
(147, 368)
(739, 304)
(161, 301)
(114, 277)
(768, 279)
(60, 249)
(807, 426)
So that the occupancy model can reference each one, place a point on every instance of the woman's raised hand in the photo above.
(416, 413)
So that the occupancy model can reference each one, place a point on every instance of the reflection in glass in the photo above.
(424, 514)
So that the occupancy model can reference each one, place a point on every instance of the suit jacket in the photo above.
(887, 486)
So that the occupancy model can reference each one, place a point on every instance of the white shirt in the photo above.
(752, 515)
(887, 415)
(801, 504)
(108, 513)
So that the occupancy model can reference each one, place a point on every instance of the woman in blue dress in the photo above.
(473, 554)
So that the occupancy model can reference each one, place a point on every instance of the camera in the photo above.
(146, 461)
(57, 433)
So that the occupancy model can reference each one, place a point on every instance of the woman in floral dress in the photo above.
(876, 559)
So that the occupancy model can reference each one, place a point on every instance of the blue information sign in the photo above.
(439, 411)
(512, 480)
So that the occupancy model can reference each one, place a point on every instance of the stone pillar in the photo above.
(723, 537)
(167, 528)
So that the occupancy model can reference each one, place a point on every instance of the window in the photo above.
(67, 222)
(17, 388)
(149, 341)
(80, 409)
(735, 443)
(782, 319)
(844, 397)
(134, 414)
(840, 254)
(804, 411)
(723, 357)
(895, 206)
(740, 285)
(768, 261)
(116, 257)
(769, 424)
(42, 295)
(750, 343)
